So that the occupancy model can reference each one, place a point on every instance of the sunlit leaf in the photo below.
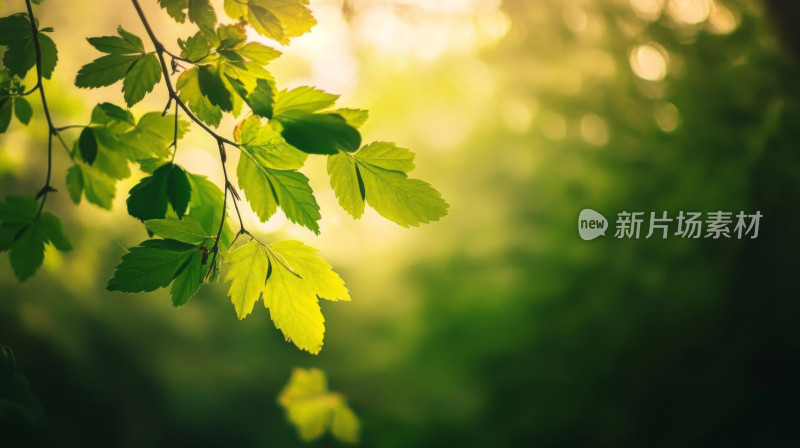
(312, 409)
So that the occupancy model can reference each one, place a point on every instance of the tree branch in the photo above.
(221, 141)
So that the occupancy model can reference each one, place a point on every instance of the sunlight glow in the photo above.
(689, 11)
(648, 9)
(594, 130)
(649, 62)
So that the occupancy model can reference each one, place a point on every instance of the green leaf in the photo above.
(16, 212)
(49, 55)
(104, 71)
(408, 202)
(24, 231)
(346, 183)
(188, 86)
(289, 189)
(142, 76)
(387, 156)
(127, 43)
(104, 113)
(195, 48)
(15, 28)
(202, 14)
(212, 87)
(304, 99)
(19, 209)
(377, 174)
(151, 265)
(293, 307)
(315, 271)
(75, 183)
(27, 251)
(152, 136)
(87, 142)
(290, 278)
(279, 19)
(318, 133)
(267, 148)
(312, 409)
(98, 187)
(6, 111)
(23, 110)
(175, 8)
(189, 280)
(168, 185)
(205, 207)
(261, 98)
(179, 191)
(231, 36)
(354, 117)
(186, 230)
(20, 54)
(53, 232)
(258, 53)
(248, 271)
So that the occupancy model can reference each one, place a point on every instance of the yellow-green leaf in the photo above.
(249, 266)
(312, 409)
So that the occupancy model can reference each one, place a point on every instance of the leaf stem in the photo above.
(52, 130)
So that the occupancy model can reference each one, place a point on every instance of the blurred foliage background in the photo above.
(497, 326)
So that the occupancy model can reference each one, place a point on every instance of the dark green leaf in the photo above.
(212, 87)
(179, 191)
(127, 43)
(49, 55)
(87, 142)
(151, 265)
(261, 99)
(27, 251)
(54, 232)
(318, 133)
(188, 282)
(148, 199)
(15, 28)
(6, 111)
(23, 110)
(104, 71)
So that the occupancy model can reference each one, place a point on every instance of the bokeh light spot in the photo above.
(649, 62)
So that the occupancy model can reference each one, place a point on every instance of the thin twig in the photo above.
(52, 130)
